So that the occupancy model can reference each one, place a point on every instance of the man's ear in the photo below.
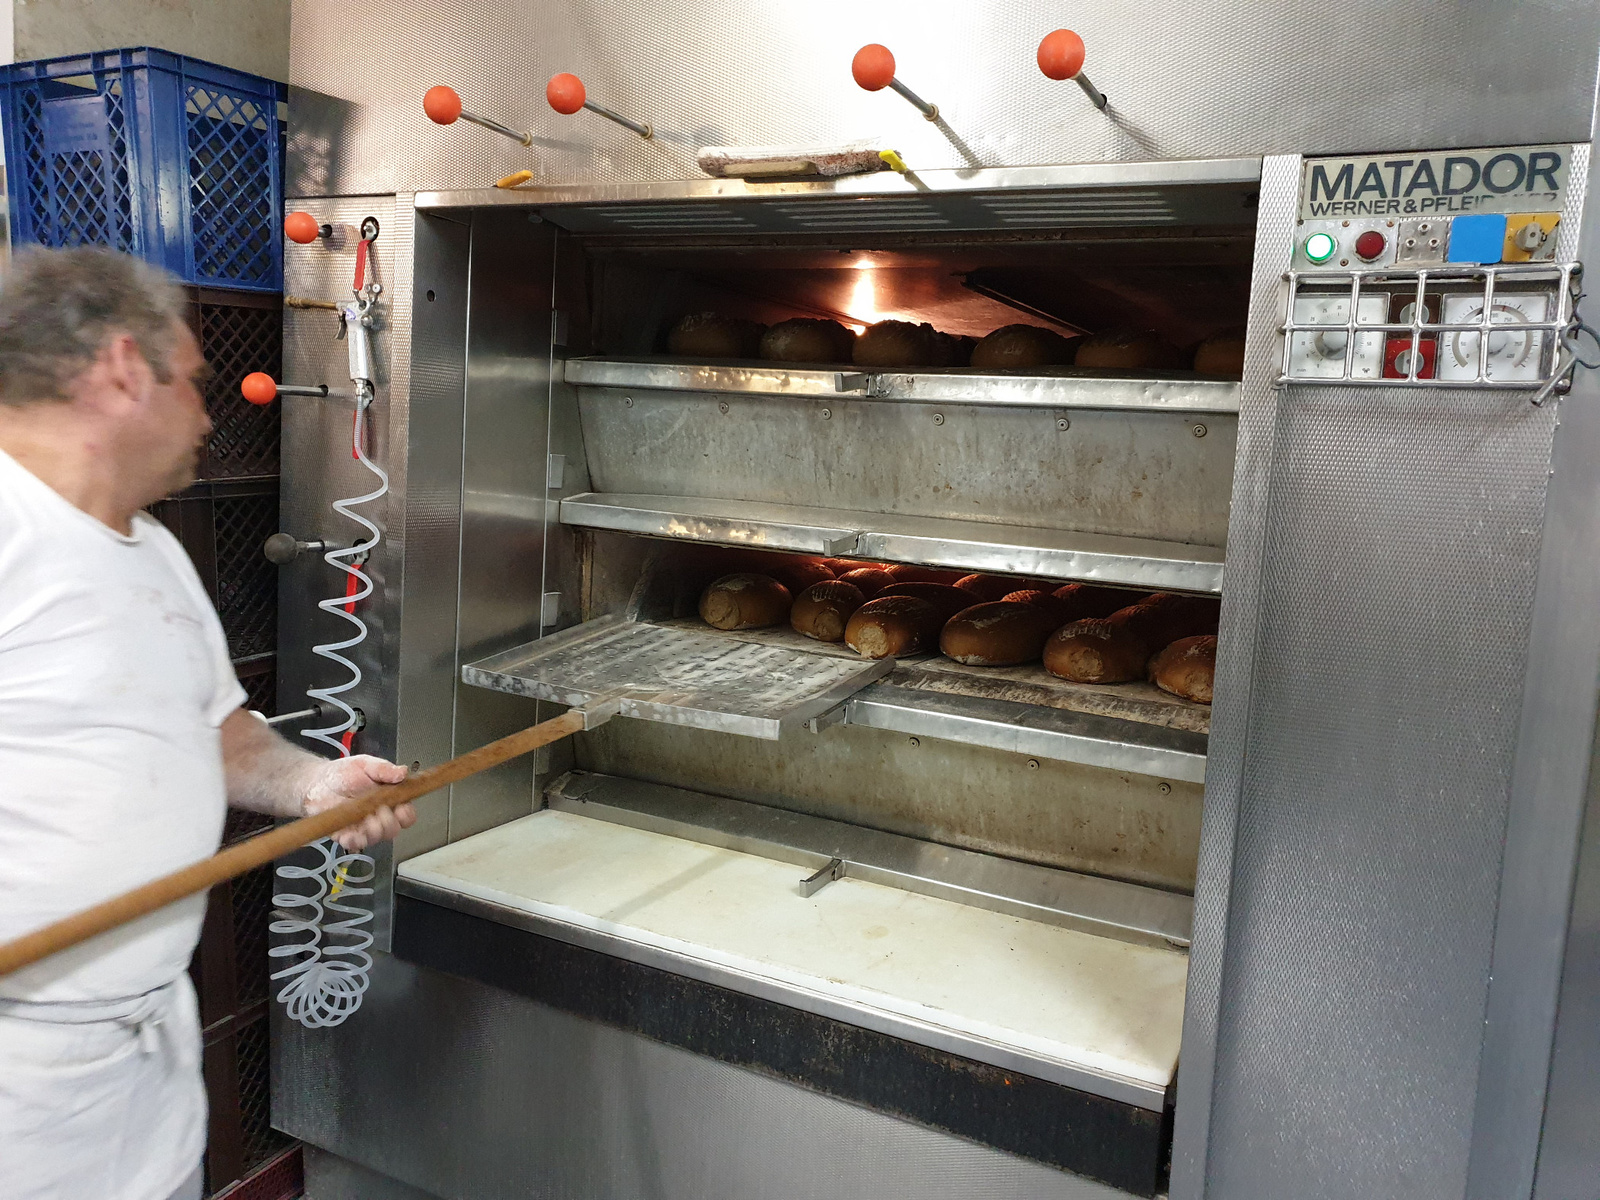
(125, 376)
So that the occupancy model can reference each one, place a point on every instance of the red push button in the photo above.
(1370, 245)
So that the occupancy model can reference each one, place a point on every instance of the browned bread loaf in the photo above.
(988, 587)
(808, 340)
(1187, 667)
(1017, 346)
(1061, 611)
(871, 580)
(948, 600)
(1126, 351)
(1091, 601)
(1180, 616)
(902, 344)
(744, 602)
(1109, 650)
(712, 335)
(797, 574)
(1221, 354)
(893, 625)
(1001, 633)
(840, 565)
(823, 610)
(909, 573)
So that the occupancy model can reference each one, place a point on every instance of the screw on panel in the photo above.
(1033, 764)
(915, 741)
(723, 407)
(1063, 424)
(1199, 430)
(1164, 788)
(827, 414)
(627, 401)
(938, 418)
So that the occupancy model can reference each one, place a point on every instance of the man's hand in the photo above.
(346, 778)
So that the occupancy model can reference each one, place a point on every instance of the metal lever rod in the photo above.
(567, 95)
(443, 106)
(812, 884)
(873, 69)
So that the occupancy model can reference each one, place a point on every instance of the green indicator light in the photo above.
(1320, 247)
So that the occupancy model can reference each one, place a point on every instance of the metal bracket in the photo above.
(852, 381)
(597, 712)
(841, 546)
(839, 714)
(812, 884)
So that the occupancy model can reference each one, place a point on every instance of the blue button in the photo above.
(1479, 238)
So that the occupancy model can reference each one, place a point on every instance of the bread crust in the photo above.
(1187, 668)
(999, 633)
(808, 340)
(712, 335)
(824, 609)
(1012, 347)
(893, 625)
(745, 601)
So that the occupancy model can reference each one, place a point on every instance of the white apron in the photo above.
(101, 1100)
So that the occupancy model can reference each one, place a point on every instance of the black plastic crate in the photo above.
(176, 160)
(239, 333)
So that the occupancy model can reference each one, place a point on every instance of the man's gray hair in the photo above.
(58, 309)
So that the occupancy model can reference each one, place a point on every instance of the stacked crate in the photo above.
(181, 163)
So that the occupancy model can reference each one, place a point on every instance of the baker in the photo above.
(122, 739)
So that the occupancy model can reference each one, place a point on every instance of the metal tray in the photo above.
(678, 677)
(935, 541)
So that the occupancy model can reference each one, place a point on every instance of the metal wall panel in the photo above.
(1204, 80)
(471, 1093)
(1135, 474)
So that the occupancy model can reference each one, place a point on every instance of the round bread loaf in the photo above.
(744, 602)
(948, 600)
(1017, 346)
(840, 565)
(1001, 633)
(1187, 668)
(1221, 354)
(988, 587)
(1109, 650)
(893, 625)
(1091, 601)
(824, 609)
(911, 573)
(871, 580)
(1061, 611)
(712, 335)
(808, 340)
(1126, 351)
(901, 344)
(797, 574)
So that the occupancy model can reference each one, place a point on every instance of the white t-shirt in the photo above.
(114, 681)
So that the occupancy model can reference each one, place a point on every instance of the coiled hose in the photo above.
(329, 974)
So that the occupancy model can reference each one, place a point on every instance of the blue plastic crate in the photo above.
(176, 160)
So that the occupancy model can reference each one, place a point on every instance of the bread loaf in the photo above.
(823, 610)
(840, 565)
(797, 574)
(1016, 346)
(808, 340)
(1178, 616)
(988, 587)
(902, 344)
(1126, 351)
(1001, 633)
(712, 335)
(1187, 667)
(1221, 354)
(1090, 601)
(948, 600)
(1061, 611)
(744, 602)
(893, 625)
(1113, 649)
(909, 573)
(871, 580)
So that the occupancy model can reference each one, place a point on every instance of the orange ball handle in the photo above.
(873, 67)
(259, 388)
(302, 227)
(566, 93)
(442, 104)
(1061, 56)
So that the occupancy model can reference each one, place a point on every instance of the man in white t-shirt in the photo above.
(122, 739)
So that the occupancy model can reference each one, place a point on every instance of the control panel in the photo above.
(1436, 269)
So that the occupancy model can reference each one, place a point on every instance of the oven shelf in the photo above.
(768, 682)
(933, 541)
(1051, 387)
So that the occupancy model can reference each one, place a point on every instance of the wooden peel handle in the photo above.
(275, 843)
